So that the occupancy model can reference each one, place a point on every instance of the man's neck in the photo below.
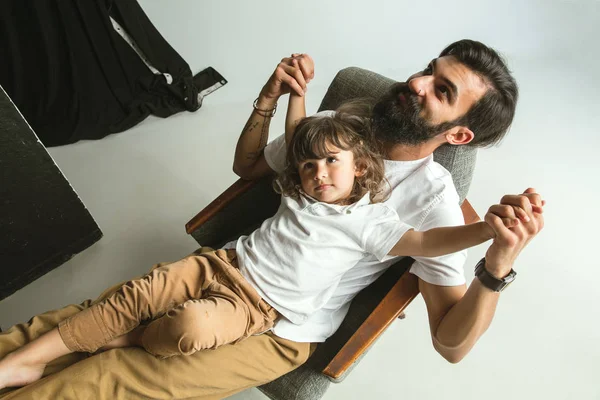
(402, 152)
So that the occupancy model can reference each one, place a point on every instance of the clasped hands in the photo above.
(514, 222)
(291, 75)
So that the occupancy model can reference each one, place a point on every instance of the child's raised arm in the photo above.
(296, 111)
(440, 241)
(446, 240)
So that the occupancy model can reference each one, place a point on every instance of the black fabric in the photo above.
(73, 77)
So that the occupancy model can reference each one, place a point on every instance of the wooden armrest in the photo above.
(397, 299)
(240, 186)
(394, 302)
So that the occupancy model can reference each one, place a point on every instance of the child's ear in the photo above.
(360, 169)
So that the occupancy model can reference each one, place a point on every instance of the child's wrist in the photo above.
(487, 230)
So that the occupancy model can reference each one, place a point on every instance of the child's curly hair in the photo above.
(346, 132)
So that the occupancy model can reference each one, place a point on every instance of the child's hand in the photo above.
(509, 242)
(304, 63)
(291, 76)
(510, 215)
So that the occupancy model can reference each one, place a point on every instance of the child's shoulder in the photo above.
(378, 210)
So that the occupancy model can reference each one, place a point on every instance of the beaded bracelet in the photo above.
(265, 113)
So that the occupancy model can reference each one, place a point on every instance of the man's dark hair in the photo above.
(491, 116)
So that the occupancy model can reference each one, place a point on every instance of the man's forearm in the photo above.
(465, 322)
(253, 139)
(459, 317)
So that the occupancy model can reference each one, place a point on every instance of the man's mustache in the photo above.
(401, 88)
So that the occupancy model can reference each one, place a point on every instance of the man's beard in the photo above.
(397, 123)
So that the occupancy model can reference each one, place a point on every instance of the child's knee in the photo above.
(201, 326)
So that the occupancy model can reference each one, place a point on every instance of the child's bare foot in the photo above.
(16, 371)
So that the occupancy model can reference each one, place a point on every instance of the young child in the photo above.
(330, 217)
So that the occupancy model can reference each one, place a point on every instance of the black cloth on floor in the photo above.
(74, 77)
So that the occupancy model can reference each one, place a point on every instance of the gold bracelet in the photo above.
(266, 113)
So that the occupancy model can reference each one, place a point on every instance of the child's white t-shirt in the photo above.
(296, 259)
(424, 196)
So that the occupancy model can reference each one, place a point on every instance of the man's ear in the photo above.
(459, 135)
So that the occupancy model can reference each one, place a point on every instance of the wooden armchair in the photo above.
(246, 204)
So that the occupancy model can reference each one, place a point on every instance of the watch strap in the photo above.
(490, 281)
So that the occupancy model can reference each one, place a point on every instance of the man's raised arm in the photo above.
(292, 73)
(459, 316)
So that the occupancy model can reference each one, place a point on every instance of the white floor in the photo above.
(143, 185)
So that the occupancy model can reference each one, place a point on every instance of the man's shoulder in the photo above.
(427, 189)
(425, 169)
(444, 188)
(433, 170)
(441, 174)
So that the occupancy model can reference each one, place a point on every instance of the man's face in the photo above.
(428, 104)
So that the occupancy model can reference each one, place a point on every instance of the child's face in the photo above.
(329, 179)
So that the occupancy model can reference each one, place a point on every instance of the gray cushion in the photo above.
(304, 383)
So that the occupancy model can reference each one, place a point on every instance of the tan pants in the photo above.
(133, 373)
(200, 302)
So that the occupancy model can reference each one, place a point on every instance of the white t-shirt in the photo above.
(424, 196)
(296, 259)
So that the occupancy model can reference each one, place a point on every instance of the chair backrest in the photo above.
(238, 211)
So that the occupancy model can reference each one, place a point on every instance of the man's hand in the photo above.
(511, 238)
(292, 73)
(508, 215)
